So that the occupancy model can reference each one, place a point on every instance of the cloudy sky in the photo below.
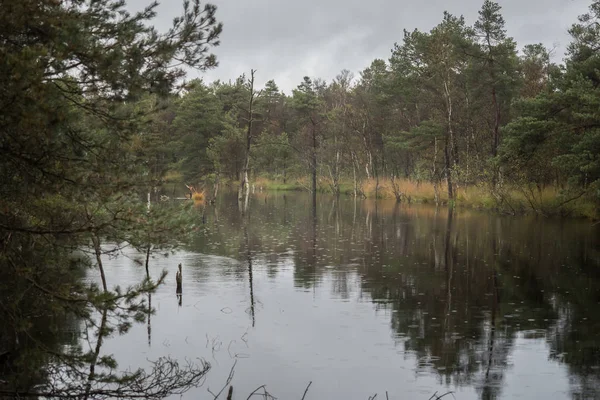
(286, 40)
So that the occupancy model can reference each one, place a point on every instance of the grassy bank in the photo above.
(549, 201)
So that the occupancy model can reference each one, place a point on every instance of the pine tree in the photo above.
(71, 74)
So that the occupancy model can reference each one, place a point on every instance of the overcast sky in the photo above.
(286, 40)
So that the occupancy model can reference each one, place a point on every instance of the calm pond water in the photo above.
(364, 297)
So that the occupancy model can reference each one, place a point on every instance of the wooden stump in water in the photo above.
(178, 279)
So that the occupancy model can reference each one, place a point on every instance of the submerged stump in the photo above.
(178, 279)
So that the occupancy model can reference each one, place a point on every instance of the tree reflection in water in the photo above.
(460, 286)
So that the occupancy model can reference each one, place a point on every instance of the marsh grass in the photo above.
(547, 201)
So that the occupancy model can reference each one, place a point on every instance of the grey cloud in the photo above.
(286, 40)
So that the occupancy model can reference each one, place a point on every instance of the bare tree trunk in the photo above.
(354, 176)
(448, 157)
(247, 195)
(245, 184)
(448, 168)
(216, 189)
(450, 112)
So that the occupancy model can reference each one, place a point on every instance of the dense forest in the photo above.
(461, 113)
(95, 117)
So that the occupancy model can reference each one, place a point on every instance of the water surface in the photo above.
(364, 297)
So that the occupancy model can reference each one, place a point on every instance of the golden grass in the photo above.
(512, 199)
(415, 191)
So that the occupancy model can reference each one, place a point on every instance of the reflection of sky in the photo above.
(340, 342)
(531, 372)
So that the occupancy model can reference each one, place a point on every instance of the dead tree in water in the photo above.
(245, 183)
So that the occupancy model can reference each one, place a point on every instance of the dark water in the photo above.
(363, 298)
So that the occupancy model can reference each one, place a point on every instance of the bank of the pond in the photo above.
(548, 201)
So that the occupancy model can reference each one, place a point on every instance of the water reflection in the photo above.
(32, 332)
(149, 316)
(357, 296)
(461, 288)
(250, 279)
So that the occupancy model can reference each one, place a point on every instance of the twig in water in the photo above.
(306, 390)
(227, 382)
(230, 394)
(386, 395)
(265, 394)
(254, 392)
(436, 397)
(229, 347)
(245, 338)
(373, 397)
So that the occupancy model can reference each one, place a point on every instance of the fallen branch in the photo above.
(306, 390)
(436, 397)
(254, 392)
(266, 394)
(227, 382)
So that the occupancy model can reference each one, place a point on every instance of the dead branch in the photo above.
(227, 382)
(254, 391)
(265, 394)
(306, 390)
(436, 397)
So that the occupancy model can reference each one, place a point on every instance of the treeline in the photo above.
(457, 107)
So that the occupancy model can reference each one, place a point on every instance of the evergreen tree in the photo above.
(556, 136)
(71, 179)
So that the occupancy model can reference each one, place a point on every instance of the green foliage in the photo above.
(83, 134)
(556, 138)
(273, 154)
(200, 119)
